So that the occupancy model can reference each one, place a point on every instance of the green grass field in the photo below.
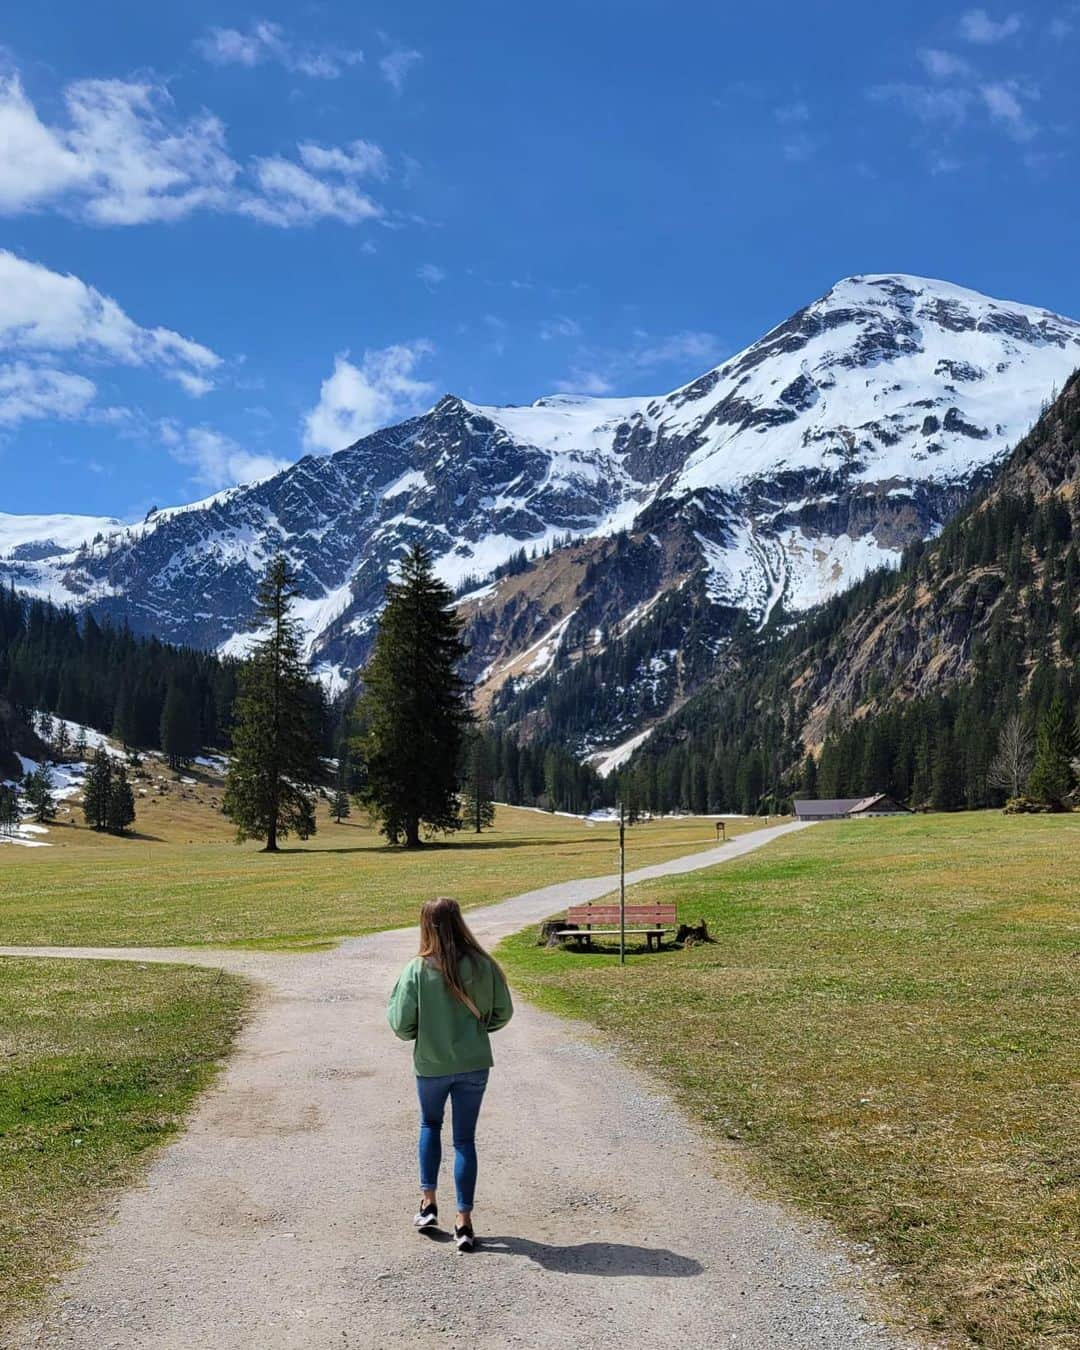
(98, 1062)
(887, 1028)
(94, 889)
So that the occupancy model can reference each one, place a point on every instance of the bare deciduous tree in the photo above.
(1011, 766)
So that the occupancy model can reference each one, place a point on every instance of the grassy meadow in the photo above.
(157, 889)
(887, 1029)
(98, 1062)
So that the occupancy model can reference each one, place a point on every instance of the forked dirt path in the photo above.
(281, 1217)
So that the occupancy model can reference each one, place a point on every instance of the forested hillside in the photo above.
(907, 682)
(52, 660)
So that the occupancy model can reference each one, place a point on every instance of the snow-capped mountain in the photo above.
(854, 427)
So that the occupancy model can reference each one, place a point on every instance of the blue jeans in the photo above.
(466, 1092)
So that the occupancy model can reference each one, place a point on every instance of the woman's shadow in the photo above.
(595, 1258)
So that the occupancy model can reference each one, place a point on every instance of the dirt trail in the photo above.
(281, 1217)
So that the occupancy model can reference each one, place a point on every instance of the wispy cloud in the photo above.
(604, 371)
(126, 158)
(978, 27)
(958, 97)
(581, 380)
(1002, 102)
(929, 104)
(357, 399)
(559, 327)
(396, 65)
(431, 274)
(942, 65)
(216, 460)
(264, 41)
(31, 392)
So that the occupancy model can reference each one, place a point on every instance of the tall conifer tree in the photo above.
(477, 797)
(179, 730)
(1051, 778)
(415, 706)
(275, 757)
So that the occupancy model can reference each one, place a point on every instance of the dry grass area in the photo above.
(887, 1031)
(156, 888)
(100, 1061)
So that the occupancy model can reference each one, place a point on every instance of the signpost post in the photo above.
(622, 884)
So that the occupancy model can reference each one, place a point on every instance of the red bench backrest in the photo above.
(609, 913)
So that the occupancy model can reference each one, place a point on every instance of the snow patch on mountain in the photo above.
(46, 536)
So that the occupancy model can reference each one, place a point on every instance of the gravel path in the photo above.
(281, 1217)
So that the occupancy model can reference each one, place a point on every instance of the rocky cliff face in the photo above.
(853, 428)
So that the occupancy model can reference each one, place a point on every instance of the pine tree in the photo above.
(340, 807)
(415, 706)
(37, 789)
(477, 796)
(179, 729)
(1051, 778)
(275, 750)
(120, 812)
(9, 809)
(946, 787)
(97, 787)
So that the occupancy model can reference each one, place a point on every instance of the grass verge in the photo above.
(91, 890)
(887, 1026)
(99, 1061)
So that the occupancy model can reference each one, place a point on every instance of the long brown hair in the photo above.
(444, 939)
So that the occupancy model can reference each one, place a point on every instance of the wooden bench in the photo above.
(652, 920)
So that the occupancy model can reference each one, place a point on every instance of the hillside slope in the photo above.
(904, 682)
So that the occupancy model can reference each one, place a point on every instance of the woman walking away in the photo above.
(448, 1000)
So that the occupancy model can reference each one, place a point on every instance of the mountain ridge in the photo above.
(855, 426)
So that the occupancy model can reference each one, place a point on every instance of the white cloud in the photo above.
(126, 158)
(290, 195)
(359, 159)
(942, 65)
(977, 26)
(606, 370)
(217, 461)
(941, 105)
(358, 399)
(431, 274)
(396, 64)
(688, 346)
(266, 41)
(47, 311)
(585, 382)
(28, 392)
(559, 327)
(1003, 103)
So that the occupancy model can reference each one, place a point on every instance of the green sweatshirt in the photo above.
(449, 1038)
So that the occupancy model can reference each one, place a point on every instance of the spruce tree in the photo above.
(97, 787)
(477, 796)
(120, 812)
(947, 784)
(37, 789)
(179, 729)
(275, 744)
(1052, 776)
(415, 706)
(9, 809)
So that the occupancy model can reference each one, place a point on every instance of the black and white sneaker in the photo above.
(427, 1216)
(465, 1237)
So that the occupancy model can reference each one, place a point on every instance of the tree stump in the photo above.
(549, 932)
(689, 935)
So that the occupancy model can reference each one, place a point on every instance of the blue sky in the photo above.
(230, 235)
